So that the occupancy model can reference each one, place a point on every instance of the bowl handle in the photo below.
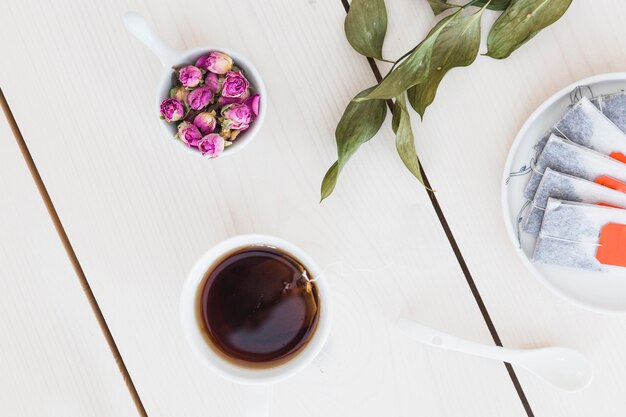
(137, 25)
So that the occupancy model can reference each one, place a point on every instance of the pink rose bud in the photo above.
(190, 76)
(213, 82)
(211, 145)
(200, 97)
(205, 122)
(237, 116)
(179, 93)
(216, 62)
(189, 134)
(235, 84)
(172, 109)
(222, 101)
(253, 102)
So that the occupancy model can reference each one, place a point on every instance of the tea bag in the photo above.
(565, 187)
(582, 236)
(613, 106)
(573, 159)
(585, 125)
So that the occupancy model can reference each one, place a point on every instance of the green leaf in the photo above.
(360, 122)
(456, 46)
(522, 20)
(414, 69)
(405, 142)
(499, 5)
(366, 25)
(440, 6)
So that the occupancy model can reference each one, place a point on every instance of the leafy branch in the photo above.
(453, 42)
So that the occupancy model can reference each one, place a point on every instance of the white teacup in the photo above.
(193, 325)
(171, 57)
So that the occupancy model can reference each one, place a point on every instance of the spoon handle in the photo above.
(436, 338)
(138, 26)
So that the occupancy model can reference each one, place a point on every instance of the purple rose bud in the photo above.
(172, 109)
(235, 84)
(200, 97)
(253, 102)
(216, 62)
(189, 134)
(179, 93)
(205, 122)
(237, 116)
(190, 76)
(222, 101)
(213, 82)
(211, 145)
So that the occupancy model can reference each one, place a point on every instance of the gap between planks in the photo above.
(71, 254)
(459, 256)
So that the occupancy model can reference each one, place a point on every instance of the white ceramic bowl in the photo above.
(192, 322)
(173, 58)
(598, 291)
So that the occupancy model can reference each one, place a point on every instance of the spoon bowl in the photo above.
(563, 368)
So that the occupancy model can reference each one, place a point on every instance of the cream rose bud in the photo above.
(190, 76)
(216, 62)
(179, 93)
(205, 122)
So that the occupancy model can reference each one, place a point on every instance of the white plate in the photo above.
(598, 291)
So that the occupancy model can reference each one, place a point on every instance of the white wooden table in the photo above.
(107, 204)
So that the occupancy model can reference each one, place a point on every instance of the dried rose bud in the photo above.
(236, 116)
(179, 93)
(199, 98)
(190, 76)
(189, 134)
(172, 109)
(235, 84)
(216, 62)
(213, 82)
(205, 122)
(211, 145)
(253, 102)
(222, 101)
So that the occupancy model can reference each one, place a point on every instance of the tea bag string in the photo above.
(520, 217)
(562, 239)
(577, 93)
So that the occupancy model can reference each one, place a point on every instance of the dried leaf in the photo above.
(366, 25)
(456, 46)
(522, 20)
(405, 142)
(414, 69)
(360, 122)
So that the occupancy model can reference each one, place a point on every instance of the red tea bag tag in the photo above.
(603, 204)
(611, 183)
(619, 156)
(612, 245)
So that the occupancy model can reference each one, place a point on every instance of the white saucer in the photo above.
(598, 291)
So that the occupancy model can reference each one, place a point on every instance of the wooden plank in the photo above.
(139, 212)
(54, 360)
(463, 143)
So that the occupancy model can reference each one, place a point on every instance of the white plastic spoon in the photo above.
(564, 368)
